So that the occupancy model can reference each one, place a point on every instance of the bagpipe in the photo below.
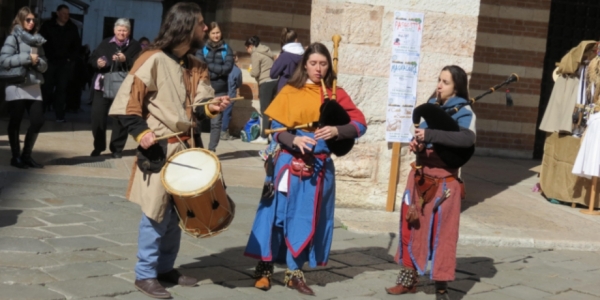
(331, 112)
(439, 118)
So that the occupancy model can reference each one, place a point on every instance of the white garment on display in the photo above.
(587, 163)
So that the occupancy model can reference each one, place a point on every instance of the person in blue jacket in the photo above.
(219, 58)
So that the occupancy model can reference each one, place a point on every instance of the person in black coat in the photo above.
(219, 58)
(120, 51)
(62, 50)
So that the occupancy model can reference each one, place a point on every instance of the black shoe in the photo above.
(442, 295)
(30, 139)
(117, 154)
(95, 153)
(32, 163)
(18, 162)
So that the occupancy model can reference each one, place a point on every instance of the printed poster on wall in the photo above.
(404, 71)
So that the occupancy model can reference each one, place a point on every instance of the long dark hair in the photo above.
(300, 76)
(288, 36)
(460, 79)
(178, 26)
(20, 20)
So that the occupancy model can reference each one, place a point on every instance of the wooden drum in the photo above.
(193, 177)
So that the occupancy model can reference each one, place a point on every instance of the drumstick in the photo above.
(215, 101)
(164, 137)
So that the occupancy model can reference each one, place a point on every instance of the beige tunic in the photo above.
(159, 89)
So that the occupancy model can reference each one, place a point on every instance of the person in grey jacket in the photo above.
(262, 61)
(23, 48)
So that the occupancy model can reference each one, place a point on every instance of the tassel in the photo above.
(509, 99)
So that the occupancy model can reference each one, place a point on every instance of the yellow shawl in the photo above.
(293, 107)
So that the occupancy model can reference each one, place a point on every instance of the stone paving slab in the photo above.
(82, 270)
(24, 276)
(18, 292)
(79, 243)
(24, 245)
(92, 287)
(70, 230)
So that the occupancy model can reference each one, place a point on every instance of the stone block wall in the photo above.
(449, 36)
(511, 38)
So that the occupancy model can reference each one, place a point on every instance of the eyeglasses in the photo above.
(29, 20)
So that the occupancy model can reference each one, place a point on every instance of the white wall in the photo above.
(147, 16)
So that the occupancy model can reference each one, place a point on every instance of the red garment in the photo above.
(434, 237)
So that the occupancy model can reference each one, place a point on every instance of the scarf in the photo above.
(33, 40)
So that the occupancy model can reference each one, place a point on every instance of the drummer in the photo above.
(151, 103)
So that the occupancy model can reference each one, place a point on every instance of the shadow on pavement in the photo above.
(238, 154)
(9, 217)
(486, 177)
(343, 265)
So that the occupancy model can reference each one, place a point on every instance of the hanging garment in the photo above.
(587, 163)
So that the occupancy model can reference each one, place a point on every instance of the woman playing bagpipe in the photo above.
(294, 223)
(430, 211)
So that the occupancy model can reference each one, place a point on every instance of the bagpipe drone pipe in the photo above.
(438, 118)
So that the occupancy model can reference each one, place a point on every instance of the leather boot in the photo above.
(175, 277)
(262, 275)
(441, 290)
(152, 288)
(15, 149)
(406, 282)
(30, 139)
(295, 280)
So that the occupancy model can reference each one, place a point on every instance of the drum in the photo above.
(193, 177)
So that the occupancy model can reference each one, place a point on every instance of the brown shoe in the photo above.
(175, 277)
(400, 289)
(405, 283)
(299, 285)
(152, 288)
(263, 283)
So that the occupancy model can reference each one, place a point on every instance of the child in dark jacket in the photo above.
(291, 53)
(235, 83)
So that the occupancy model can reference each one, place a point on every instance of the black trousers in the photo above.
(118, 138)
(266, 93)
(17, 109)
(54, 89)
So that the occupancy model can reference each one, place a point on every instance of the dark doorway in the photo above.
(109, 27)
(571, 21)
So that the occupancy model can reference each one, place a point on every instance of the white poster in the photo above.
(404, 71)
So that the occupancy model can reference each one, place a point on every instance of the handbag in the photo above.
(14, 75)
(114, 79)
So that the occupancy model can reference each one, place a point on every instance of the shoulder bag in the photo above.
(14, 75)
(114, 79)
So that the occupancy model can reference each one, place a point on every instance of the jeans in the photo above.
(54, 89)
(118, 137)
(215, 130)
(266, 93)
(227, 116)
(158, 245)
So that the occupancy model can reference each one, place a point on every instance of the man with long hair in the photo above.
(151, 102)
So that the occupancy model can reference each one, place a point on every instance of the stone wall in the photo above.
(449, 35)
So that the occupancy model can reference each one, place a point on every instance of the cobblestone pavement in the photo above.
(64, 237)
